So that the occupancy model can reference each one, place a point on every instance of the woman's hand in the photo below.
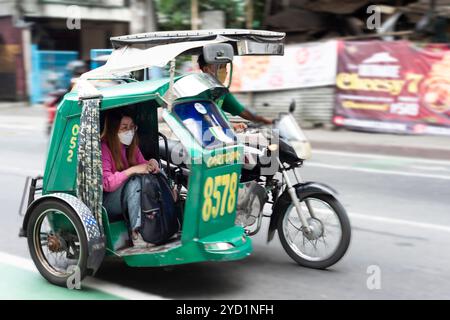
(153, 166)
(140, 169)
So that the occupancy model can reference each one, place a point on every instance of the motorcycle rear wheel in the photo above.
(340, 231)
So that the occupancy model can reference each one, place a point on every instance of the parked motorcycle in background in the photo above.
(51, 102)
(312, 225)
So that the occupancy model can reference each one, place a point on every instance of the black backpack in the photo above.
(159, 216)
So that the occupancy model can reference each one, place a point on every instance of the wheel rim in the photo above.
(57, 249)
(327, 231)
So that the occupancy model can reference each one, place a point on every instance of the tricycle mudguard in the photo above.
(95, 238)
(303, 191)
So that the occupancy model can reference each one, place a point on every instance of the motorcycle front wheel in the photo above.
(330, 234)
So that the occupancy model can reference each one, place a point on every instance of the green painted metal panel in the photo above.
(195, 251)
(116, 234)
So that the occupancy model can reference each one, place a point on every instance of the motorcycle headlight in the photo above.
(302, 149)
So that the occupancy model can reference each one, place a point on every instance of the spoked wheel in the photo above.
(330, 232)
(57, 242)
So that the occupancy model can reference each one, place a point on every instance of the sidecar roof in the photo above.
(166, 37)
(157, 49)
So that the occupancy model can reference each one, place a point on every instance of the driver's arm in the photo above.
(254, 117)
(233, 106)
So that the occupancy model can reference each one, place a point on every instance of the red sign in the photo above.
(393, 87)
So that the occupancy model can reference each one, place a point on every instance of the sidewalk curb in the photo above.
(392, 150)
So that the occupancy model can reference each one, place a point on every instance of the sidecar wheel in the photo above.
(331, 237)
(57, 243)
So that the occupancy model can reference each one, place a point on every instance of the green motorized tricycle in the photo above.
(223, 180)
(65, 223)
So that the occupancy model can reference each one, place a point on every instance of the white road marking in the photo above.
(21, 127)
(402, 222)
(90, 282)
(430, 168)
(379, 156)
(5, 169)
(28, 119)
(377, 171)
(21, 123)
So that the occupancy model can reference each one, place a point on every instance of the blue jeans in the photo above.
(131, 201)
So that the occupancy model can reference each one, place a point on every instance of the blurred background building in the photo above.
(306, 20)
(39, 39)
(71, 26)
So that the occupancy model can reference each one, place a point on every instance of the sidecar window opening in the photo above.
(205, 123)
(145, 118)
(144, 115)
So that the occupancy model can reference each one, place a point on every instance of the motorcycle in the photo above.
(312, 225)
(51, 104)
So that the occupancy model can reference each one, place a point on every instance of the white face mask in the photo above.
(126, 137)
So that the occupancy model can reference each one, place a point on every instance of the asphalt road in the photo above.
(399, 209)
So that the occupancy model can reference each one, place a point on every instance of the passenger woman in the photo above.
(122, 160)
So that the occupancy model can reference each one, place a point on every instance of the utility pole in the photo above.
(249, 25)
(267, 12)
(151, 23)
(26, 41)
(249, 14)
(194, 23)
(194, 15)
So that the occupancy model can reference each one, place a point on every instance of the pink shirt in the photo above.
(113, 179)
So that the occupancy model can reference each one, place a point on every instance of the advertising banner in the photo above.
(302, 66)
(393, 87)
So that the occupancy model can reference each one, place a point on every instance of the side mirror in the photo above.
(292, 106)
(218, 53)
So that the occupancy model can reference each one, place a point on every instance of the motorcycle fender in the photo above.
(303, 191)
(95, 238)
